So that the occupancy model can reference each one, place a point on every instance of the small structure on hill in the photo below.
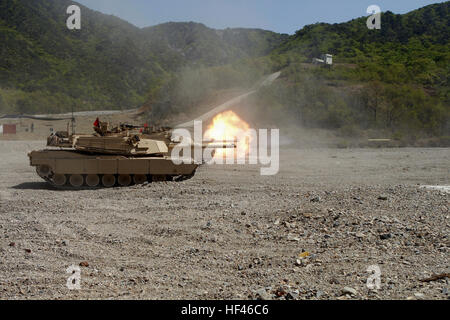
(325, 59)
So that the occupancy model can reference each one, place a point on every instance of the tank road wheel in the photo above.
(124, 180)
(139, 178)
(76, 180)
(43, 171)
(92, 180)
(159, 178)
(108, 180)
(59, 179)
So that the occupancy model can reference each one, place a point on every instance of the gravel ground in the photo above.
(310, 232)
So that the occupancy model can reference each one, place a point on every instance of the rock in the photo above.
(360, 235)
(84, 264)
(383, 197)
(349, 290)
(385, 236)
(291, 237)
(319, 294)
(419, 295)
(445, 290)
(315, 199)
(12, 244)
(262, 294)
(280, 292)
(334, 281)
(292, 295)
(240, 268)
(28, 250)
(299, 262)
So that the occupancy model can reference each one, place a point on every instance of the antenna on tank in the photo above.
(73, 122)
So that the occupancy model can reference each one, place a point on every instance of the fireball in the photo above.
(227, 126)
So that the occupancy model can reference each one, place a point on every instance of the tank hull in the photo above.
(71, 168)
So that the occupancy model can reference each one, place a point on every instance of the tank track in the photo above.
(84, 186)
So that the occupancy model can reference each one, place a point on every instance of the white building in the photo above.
(326, 59)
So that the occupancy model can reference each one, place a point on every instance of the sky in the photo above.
(283, 16)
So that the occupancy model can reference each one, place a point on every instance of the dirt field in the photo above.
(230, 233)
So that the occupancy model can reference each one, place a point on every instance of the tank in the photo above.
(118, 157)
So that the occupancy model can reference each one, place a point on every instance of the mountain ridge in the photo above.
(109, 63)
(171, 67)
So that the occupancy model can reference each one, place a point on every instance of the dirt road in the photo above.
(230, 233)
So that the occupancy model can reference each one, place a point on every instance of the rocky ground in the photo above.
(311, 232)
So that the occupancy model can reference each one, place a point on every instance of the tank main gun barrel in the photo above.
(219, 145)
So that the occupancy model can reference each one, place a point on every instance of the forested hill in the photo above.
(395, 79)
(109, 63)
(430, 23)
(183, 43)
(54, 68)
(415, 45)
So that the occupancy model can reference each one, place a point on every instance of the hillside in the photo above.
(391, 82)
(194, 43)
(109, 63)
(416, 45)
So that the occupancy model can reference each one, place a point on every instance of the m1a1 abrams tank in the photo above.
(109, 158)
